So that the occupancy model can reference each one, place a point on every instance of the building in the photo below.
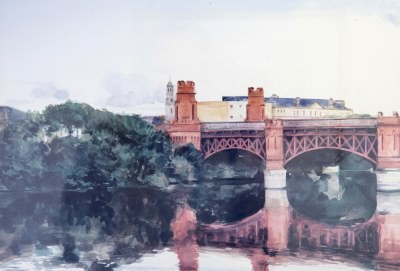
(289, 108)
(170, 102)
(215, 111)
(234, 108)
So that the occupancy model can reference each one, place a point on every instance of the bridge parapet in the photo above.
(336, 123)
(220, 126)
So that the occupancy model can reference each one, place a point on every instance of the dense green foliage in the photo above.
(74, 146)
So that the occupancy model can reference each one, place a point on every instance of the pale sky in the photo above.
(120, 54)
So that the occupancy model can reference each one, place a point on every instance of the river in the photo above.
(300, 241)
(210, 259)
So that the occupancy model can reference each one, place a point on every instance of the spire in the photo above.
(169, 82)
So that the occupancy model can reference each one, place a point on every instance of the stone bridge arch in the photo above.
(361, 143)
(248, 136)
(211, 146)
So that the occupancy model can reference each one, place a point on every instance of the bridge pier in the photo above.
(274, 173)
(275, 179)
(185, 127)
(388, 180)
(388, 218)
(388, 158)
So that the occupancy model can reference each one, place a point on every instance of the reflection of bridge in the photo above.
(277, 228)
(249, 231)
(296, 233)
(279, 141)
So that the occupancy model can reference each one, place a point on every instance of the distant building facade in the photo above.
(215, 111)
(170, 102)
(289, 108)
(235, 108)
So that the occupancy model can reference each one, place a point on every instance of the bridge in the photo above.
(299, 136)
(277, 141)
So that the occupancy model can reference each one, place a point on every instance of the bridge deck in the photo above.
(293, 123)
(335, 123)
(221, 126)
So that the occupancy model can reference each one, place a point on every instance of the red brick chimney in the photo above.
(255, 105)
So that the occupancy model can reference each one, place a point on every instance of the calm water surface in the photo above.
(210, 259)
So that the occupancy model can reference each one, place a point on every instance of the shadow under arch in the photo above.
(345, 193)
(232, 188)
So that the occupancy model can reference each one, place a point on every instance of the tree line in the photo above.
(74, 146)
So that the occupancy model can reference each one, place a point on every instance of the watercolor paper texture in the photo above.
(199, 135)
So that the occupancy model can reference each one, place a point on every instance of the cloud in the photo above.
(128, 90)
(123, 100)
(49, 90)
(393, 18)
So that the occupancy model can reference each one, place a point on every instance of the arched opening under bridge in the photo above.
(232, 187)
(332, 186)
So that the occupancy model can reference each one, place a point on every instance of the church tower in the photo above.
(170, 102)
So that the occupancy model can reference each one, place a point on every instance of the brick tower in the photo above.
(388, 141)
(185, 127)
(255, 105)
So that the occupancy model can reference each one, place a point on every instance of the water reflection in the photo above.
(277, 237)
(299, 242)
(184, 229)
(220, 259)
(355, 200)
(374, 243)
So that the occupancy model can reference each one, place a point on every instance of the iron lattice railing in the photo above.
(211, 146)
(363, 144)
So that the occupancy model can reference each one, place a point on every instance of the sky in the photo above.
(120, 54)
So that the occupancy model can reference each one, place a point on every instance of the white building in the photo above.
(170, 102)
